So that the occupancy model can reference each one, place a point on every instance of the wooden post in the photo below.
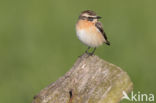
(90, 80)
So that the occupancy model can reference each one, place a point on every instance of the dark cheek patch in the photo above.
(90, 19)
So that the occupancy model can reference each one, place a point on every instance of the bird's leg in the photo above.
(93, 51)
(87, 50)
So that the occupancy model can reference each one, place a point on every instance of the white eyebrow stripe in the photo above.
(86, 15)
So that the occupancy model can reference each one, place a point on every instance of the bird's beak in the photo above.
(98, 17)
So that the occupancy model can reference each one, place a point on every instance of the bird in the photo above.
(89, 30)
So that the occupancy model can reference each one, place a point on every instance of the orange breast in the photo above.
(88, 33)
(84, 24)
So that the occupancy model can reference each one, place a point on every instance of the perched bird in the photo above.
(90, 31)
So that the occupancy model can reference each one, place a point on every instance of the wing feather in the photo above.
(100, 28)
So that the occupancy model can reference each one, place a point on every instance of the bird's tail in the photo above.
(107, 42)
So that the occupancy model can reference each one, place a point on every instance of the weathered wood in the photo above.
(90, 80)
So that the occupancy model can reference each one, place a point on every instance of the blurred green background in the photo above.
(38, 43)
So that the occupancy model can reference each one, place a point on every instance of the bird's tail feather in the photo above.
(107, 42)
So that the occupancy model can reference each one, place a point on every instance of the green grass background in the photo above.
(38, 43)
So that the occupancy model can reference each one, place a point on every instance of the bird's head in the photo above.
(89, 16)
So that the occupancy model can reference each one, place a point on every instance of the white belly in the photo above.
(91, 40)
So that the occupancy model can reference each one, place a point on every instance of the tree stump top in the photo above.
(90, 80)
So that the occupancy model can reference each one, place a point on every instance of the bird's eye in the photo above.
(90, 18)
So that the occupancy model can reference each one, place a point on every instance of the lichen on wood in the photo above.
(90, 80)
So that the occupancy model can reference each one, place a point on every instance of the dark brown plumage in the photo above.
(89, 12)
(100, 28)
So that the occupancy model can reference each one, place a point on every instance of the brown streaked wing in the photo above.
(100, 28)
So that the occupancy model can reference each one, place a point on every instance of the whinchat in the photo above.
(90, 31)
